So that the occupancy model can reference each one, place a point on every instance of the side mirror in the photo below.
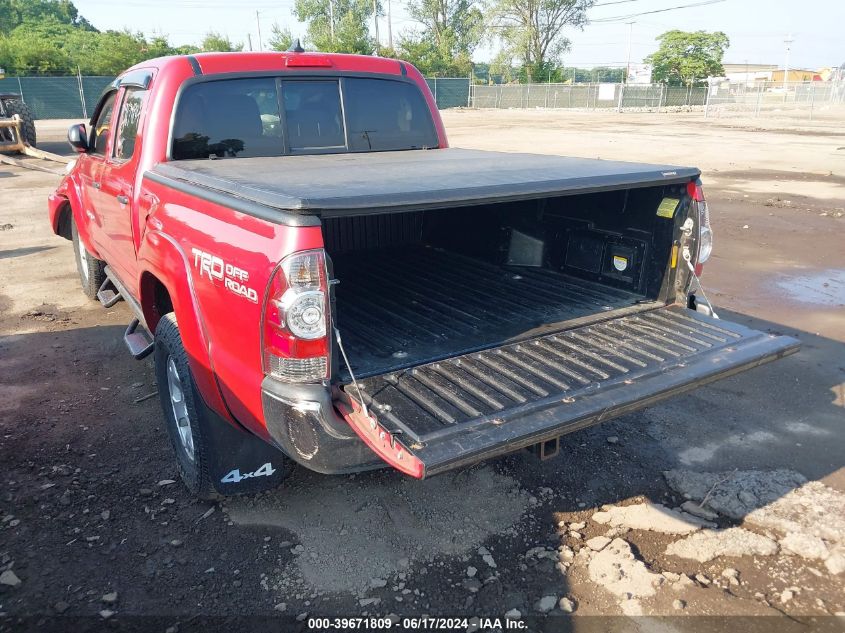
(77, 136)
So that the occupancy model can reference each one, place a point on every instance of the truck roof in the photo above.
(333, 185)
(277, 61)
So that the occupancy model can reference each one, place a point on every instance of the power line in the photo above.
(622, 18)
(604, 4)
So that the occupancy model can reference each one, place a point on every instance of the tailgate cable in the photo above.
(688, 260)
(352, 375)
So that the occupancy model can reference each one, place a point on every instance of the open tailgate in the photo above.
(465, 409)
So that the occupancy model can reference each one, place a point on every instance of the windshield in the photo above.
(267, 116)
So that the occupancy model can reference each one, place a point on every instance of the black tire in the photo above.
(194, 464)
(16, 106)
(92, 271)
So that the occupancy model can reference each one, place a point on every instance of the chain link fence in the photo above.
(589, 96)
(799, 99)
(75, 97)
(794, 99)
(450, 92)
(57, 97)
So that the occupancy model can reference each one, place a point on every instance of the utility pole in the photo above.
(628, 65)
(389, 26)
(375, 21)
(788, 41)
(331, 19)
(258, 22)
(249, 39)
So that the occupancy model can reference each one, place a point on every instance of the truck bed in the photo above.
(400, 308)
(336, 185)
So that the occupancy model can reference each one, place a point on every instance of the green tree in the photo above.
(350, 21)
(37, 48)
(219, 43)
(451, 31)
(532, 30)
(13, 13)
(280, 38)
(688, 57)
(431, 60)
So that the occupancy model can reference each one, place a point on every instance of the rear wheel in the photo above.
(16, 106)
(184, 415)
(92, 271)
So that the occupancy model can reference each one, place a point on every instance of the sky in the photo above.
(756, 28)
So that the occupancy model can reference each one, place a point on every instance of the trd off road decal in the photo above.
(234, 279)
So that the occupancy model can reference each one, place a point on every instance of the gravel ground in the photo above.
(727, 501)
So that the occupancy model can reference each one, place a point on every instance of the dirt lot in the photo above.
(94, 525)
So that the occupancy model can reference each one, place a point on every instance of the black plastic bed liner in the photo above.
(471, 407)
(398, 309)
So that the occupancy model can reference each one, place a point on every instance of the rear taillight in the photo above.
(295, 319)
(705, 233)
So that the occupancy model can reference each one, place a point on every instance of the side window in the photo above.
(100, 127)
(127, 122)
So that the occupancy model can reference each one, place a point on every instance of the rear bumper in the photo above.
(302, 421)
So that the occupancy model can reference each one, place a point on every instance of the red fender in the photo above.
(67, 193)
(162, 258)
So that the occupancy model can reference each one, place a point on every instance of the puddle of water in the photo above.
(825, 288)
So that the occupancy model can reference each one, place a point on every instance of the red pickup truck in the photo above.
(322, 280)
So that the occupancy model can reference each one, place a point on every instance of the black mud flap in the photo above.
(240, 462)
(465, 409)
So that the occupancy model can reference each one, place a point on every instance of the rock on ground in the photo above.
(598, 543)
(702, 512)
(546, 603)
(616, 569)
(781, 500)
(835, 563)
(710, 544)
(650, 516)
(804, 545)
(631, 607)
(10, 578)
(723, 489)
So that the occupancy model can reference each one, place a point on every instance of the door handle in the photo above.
(96, 185)
(122, 199)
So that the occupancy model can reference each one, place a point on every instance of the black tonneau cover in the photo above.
(330, 185)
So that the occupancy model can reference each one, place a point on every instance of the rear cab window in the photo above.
(271, 116)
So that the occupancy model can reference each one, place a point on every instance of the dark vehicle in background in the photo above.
(10, 105)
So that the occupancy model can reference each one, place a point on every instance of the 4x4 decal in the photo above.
(235, 476)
